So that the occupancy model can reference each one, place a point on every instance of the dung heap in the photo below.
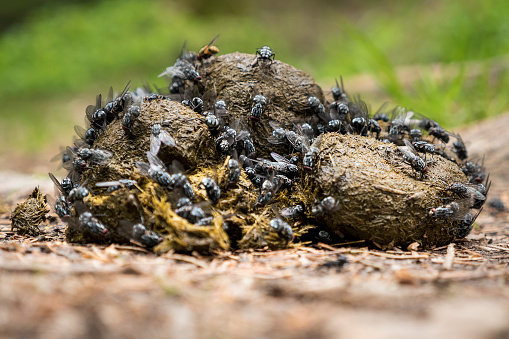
(27, 215)
(245, 151)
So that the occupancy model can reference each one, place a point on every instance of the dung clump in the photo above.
(246, 152)
(238, 79)
(380, 198)
(27, 215)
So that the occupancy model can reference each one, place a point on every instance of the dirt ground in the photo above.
(52, 289)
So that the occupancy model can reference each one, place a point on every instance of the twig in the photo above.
(449, 258)
(189, 259)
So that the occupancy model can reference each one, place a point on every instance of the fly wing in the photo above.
(104, 157)
(57, 183)
(274, 124)
(155, 144)
(80, 131)
(173, 71)
(143, 167)
(108, 183)
(273, 140)
(295, 140)
(166, 138)
(90, 112)
(109, 98)
(98, 101)
(279, 158)
(410, 147)
(155, 161)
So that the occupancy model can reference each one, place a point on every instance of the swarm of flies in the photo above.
(419, 140)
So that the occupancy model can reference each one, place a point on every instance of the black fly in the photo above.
(411, 157)
(159, 136)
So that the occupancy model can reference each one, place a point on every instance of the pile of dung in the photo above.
(29, 214)
(246, 152)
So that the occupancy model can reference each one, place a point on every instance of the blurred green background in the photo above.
(446, 59)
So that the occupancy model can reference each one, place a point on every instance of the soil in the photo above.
(50, 288)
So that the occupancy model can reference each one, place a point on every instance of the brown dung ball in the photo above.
(194, 145)
(380, 198)
(239, 77)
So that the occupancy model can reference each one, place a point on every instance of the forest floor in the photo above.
(53, 289)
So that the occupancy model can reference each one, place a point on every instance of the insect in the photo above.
(265, 54)
(208, 50)
(291, 212)
(194, 213)
(114, 107)
(159, 136)
(182, 70)
(225, 143)
(286, 183)
(257, 109)
(399, 124)
(130, 116)
(411, 157)
(61, 206)
(279, 134)
(475, 172)
(282, 229)
(448, 211)
(283, 165)
(233, 171)
(380, 115)
(180, 181)
(467, 191)
(88, 136)
(139, 233)
(316, 106)
(327, 205)
(423, 147)
(212, 189)
(184, 201)
(197, 105)
(94, 156)
(63, 157)
(481, 188)
(96, 115)
(78, 193)
(338, 92)
(246, 144)
(214, 124)
(297, 140)
(76, 165)
(221, 109)
(156, 171)
(466, 224)
(359, 113)
(311, 154)
(439, 133)
(268, 190)
(416, 135)
(459, 147)
(374, 127)
(64, 187)
(86, 222)
(333, 118)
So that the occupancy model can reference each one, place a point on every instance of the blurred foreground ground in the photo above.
(52, 289)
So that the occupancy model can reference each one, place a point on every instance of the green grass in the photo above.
(79, 50)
